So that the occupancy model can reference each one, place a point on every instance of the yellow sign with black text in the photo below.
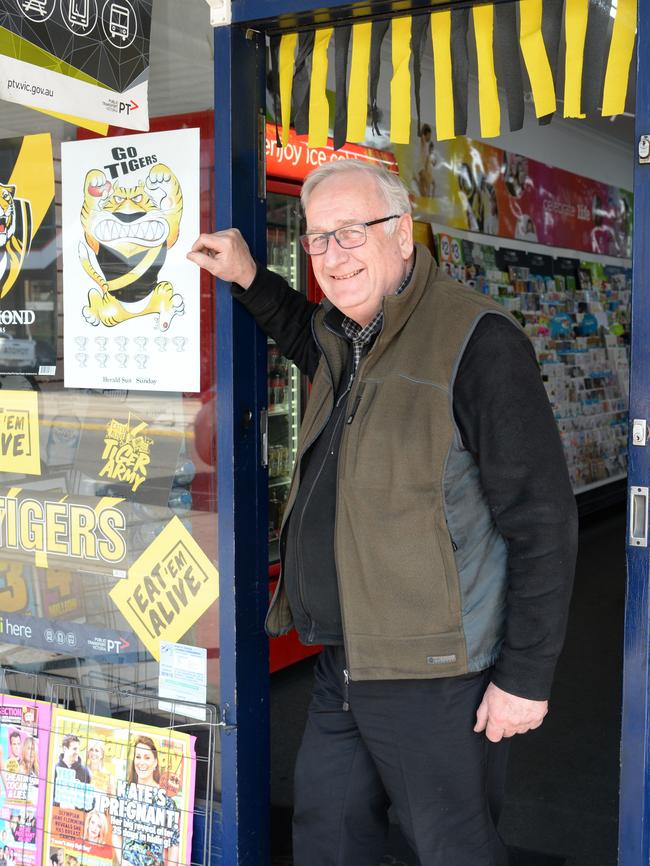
(168, 588)
(19, 439)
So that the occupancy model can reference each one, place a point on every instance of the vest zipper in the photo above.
(301, 582)
(346, 691)
(353, 412)
(342, 446)
(282, 539)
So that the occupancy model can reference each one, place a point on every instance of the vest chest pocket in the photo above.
(397, 433)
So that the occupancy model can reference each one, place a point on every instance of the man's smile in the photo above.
(346, 276)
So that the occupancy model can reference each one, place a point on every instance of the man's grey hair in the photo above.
(388, 184)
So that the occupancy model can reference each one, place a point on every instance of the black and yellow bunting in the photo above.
(508, 37)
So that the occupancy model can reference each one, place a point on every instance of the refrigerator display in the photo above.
(284, 378)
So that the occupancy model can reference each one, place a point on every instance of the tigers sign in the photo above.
(28, 318)
(130, 297)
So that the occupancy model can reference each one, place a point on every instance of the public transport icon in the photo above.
(36, 7)
(79, 12)
(119, 22)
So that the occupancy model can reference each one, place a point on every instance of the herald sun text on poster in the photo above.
(119, 793)
(24, 732)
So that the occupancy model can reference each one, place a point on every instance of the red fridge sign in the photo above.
(296, 160)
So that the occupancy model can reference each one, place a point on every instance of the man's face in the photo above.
(357, 280)
(71, 753)
(15, 746)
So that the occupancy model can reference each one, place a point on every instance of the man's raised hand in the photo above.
(226, 256)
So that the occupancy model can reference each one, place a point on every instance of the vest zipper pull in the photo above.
(350, 417)
(346, 691)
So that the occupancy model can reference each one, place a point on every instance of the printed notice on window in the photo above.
(183, 676)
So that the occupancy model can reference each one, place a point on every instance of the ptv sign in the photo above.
(128, 107)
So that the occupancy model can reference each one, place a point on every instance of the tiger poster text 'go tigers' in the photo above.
(130, 297)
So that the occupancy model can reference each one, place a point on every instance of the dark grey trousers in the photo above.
(408, 743)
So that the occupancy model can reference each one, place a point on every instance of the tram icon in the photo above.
(119, 22)
(79, 12)
(35, 9)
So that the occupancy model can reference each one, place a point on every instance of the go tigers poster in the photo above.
(119, 792)
(24, 735)
(28, 315)
(131, 299)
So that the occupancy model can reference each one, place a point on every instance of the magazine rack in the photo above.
(145, 707)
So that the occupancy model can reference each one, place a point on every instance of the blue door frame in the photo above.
(239, 74)
(241, 395)
(634, 815)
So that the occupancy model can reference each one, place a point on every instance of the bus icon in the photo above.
(119, 22)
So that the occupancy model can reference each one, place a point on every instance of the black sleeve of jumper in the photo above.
(284, 315)
(506, 422)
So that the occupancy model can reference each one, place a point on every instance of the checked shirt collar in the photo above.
(360, 336)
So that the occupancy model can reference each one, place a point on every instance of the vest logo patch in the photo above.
(441, 660)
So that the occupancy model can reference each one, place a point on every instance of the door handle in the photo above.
(639, 516)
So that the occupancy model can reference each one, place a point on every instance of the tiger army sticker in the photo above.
(130, 296)
(28, 315)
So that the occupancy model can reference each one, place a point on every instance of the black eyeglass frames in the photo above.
(347, 237)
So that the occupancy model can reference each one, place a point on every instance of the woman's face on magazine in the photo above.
(94, 828)
(95, 752)
(28, 751)
(144, 762)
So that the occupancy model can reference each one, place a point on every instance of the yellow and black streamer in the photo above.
(620, 56)
(400, 85)
(318, 105)
(358, 93)
(488, 92)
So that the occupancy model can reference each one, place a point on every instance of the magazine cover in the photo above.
(131, 299)
(24, 732)
(119, 793)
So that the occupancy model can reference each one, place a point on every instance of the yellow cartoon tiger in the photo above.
(15, 236)
(128, 231)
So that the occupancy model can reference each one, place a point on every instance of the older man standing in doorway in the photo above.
(429, 538)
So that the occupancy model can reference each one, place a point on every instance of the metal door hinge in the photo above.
(223, 720)
(261, 155)
(220, 12)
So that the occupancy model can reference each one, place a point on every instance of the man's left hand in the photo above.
(501, 714)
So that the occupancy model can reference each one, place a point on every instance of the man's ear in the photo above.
(405, 235)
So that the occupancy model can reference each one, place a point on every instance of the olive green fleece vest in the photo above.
(406, 602)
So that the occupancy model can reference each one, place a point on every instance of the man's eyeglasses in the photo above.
(347, 237)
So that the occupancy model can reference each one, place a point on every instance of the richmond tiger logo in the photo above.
(15, 236)
(128, 231)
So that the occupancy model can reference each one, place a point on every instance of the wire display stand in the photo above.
(135, 710)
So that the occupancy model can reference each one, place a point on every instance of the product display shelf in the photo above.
(577, 315)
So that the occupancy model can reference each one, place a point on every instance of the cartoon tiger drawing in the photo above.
(128, 231)
(15, 236)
